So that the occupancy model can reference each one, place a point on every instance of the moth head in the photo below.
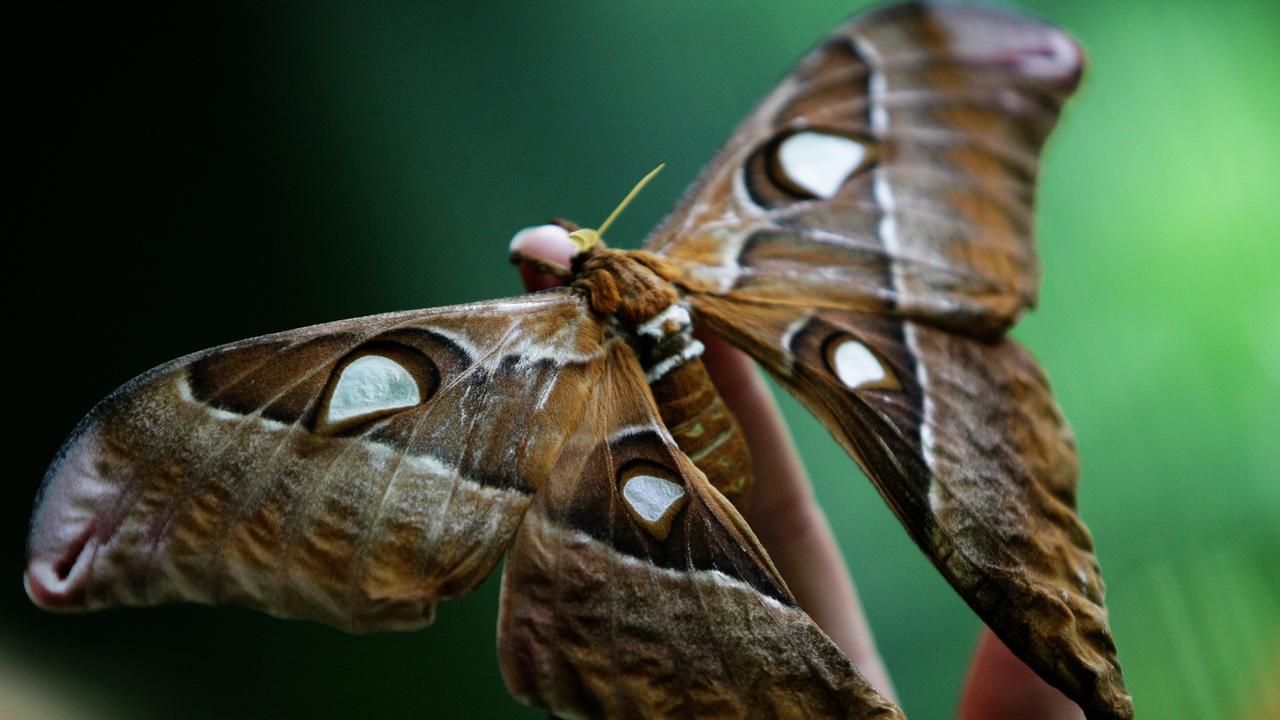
(585, 240)
(547, 255)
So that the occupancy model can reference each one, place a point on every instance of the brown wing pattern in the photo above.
(866, 234)
(353, 473)
(892, 170)
(964, 441)
(635, 590)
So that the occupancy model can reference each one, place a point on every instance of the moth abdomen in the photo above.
(689, 404)
(705, 430)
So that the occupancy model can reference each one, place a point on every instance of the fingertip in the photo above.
(1000, 685)
(732, 370)
(549, 244)
(535, 280)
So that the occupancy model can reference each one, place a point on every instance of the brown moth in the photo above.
(865, 235)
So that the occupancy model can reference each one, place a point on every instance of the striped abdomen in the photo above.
(626, 285)
(705, 429)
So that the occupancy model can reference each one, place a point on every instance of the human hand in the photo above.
(786, 518)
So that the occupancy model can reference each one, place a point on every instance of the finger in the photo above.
(785, 515)
(1002, 687)
(548, 243)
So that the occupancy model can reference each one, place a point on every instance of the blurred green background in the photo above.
(194, 175)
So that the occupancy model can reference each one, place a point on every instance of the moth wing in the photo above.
(352, 473)
(892, 170)
(634, 589)
(965, 443)
(882, 194)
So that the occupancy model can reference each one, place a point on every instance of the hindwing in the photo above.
(965, 443)
(635, 590)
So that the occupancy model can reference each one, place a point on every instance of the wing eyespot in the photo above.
(373, 382)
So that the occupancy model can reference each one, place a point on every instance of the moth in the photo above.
(865, 235)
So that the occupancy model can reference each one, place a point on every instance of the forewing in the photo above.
(964, 441)
(352, 473)
(635, 590)
(892, 170)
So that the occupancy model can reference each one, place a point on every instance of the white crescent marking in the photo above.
(650, 496)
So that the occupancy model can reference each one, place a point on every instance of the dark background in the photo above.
(190, 176)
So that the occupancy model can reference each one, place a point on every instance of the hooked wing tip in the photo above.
(59, 568)
(60, 584)
(68, 529)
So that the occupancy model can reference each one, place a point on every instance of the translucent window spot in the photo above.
(856, 366)
(818, 163)
(651, 497)
(371, 384)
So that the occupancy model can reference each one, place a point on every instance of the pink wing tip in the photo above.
(59, 585)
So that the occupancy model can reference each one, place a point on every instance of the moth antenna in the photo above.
(627, 200)
(587, 238)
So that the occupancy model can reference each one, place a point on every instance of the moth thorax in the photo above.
(620, 285)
